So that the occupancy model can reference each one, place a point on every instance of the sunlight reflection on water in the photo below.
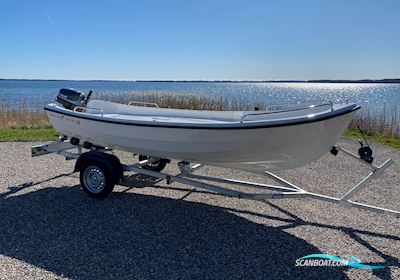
(373, 96)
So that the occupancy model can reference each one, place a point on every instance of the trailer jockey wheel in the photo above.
(96, 179)
(154, 165)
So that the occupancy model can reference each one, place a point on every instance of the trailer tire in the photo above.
(96, 179)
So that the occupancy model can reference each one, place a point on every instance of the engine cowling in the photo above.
(70, 98)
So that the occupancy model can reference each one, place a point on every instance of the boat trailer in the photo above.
(100, 171)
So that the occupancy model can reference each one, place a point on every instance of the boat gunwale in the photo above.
(231, 126)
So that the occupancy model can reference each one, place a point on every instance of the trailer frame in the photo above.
(186, 176)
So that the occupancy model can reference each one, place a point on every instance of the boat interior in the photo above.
(151, 112)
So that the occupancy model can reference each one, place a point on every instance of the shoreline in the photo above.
(382, 126)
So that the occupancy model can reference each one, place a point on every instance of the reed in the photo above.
(191, 101)
(21, 115)
(384, 122)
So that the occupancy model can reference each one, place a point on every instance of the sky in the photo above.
(200, 40)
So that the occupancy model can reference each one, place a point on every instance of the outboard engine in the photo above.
(70, 98)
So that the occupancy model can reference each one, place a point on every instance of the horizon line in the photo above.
(385, 80)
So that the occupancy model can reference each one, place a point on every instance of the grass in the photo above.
(22, 123)
(390, 141)
(28, 134)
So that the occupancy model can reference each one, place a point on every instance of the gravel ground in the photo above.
(50, 229)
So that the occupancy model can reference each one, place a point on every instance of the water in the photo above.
(38, 93)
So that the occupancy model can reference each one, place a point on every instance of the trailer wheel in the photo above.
(96, 179)
(156, 165)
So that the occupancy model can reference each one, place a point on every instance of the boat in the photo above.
(273, 139)
(258, 141)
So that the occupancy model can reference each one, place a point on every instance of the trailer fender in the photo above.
(111, 161)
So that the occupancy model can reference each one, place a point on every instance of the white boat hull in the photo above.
(268, 148)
